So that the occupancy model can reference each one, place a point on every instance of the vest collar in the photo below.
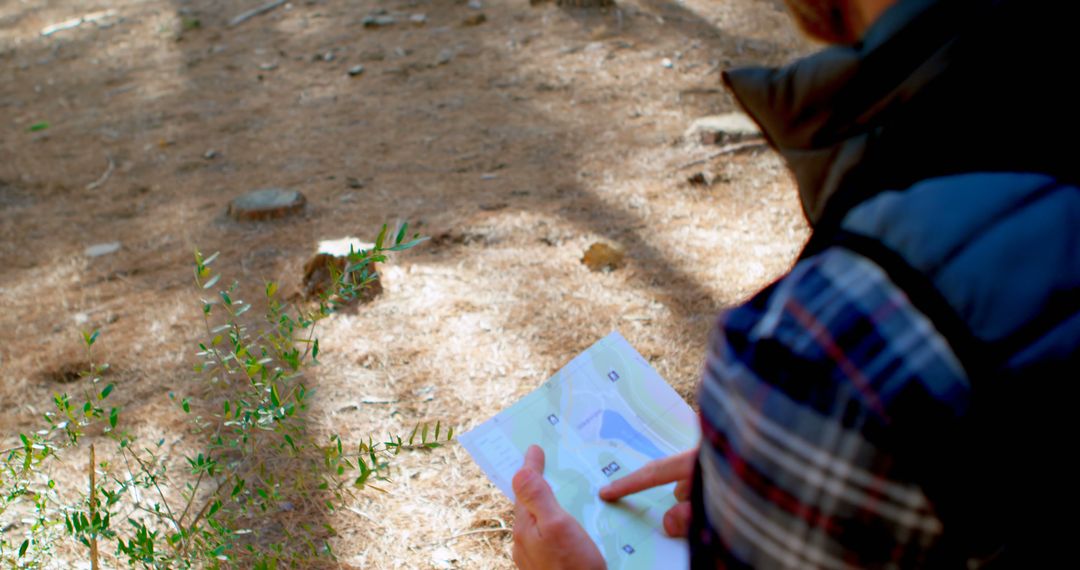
(820, 112)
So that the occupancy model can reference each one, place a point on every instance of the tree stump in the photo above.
(318, 276)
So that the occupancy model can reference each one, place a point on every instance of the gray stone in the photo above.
(378, 21)
(356, 70)
(722, 129)
(445, 55)
(100, 249)
(267, 203)
(580, 3)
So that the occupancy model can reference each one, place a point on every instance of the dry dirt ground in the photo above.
(516, 143)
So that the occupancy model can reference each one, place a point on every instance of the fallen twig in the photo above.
(104, 177)
(93, 509)
(501, 528)
(245, 16)
(76, 22)
(729, 149)
(364, 515)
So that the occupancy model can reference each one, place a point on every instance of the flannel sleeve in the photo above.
(805, 396)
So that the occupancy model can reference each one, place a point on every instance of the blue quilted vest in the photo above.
(994, 261)
(934, 148)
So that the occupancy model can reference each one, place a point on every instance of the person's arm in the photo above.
(816, 400)
(813, 398)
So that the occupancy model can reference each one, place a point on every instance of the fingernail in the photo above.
(670, 524)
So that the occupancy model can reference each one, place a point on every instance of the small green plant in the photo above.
(249, 454)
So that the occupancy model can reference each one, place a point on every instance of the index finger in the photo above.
(655, 473)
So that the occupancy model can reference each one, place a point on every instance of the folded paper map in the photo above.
(604, 415)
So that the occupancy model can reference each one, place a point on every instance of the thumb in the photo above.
(534, 458)
(530, 488)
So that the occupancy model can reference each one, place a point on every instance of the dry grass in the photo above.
(572, 113)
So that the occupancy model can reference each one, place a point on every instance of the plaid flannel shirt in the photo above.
(805, 391)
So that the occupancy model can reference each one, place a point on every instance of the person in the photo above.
(902, 397)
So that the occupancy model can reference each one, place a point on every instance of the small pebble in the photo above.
(474, 20)
(701, 179)
(602, 257)
(100, 249)
(667, 63)
(378, 21)
(356, 70)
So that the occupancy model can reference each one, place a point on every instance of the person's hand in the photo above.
(545, 535)
(678, 469)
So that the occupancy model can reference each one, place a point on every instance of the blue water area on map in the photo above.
(614, 426)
